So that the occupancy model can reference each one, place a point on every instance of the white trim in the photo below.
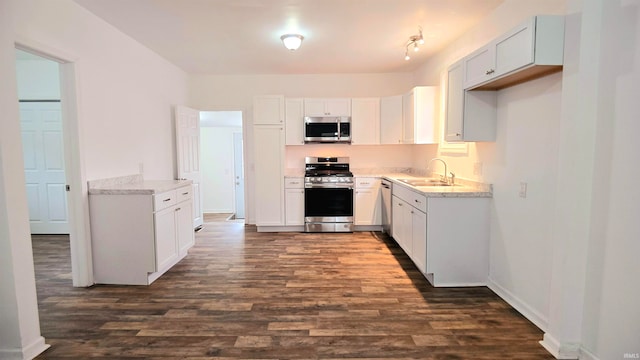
(586, 355)
(78, 199)
(26, 353)
(558, 350)
(531, 314)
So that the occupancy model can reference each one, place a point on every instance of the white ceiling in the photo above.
(243, 36)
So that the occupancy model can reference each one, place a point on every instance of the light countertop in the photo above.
(462, 188)
(133, 184)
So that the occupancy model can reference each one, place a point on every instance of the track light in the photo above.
(415, 41)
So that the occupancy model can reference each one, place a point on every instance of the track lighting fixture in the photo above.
(415, 41)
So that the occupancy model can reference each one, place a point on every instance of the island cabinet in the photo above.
(447, 238)
(136, 237)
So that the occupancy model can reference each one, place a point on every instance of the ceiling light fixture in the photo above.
(415, 41)
(292, 41)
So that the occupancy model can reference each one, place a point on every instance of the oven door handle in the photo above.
(328, 186)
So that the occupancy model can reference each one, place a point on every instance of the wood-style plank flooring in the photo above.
(240, 294)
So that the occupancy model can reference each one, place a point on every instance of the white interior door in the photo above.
(238, 169)
(188, 155)
(43, 151)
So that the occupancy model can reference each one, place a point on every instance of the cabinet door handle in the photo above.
(177, 209)
(490, 71)
(416, 200)
(185, 193)
(165, 200)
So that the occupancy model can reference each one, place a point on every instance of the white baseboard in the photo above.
(531, 314)
(27, 353)
(587, 355)
(558, 350)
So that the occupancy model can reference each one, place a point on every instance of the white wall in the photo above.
(125, 97)
(611, 326)
(236, 92)
(126, 90)
(218, 168)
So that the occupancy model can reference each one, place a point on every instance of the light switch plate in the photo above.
(523, 190)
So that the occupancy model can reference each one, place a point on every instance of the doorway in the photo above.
(222, 163)
(69, 208)
(42, 143)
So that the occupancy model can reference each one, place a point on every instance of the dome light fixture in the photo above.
(292, 41)
(415, 41)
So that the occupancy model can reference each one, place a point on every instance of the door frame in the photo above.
(77, 196)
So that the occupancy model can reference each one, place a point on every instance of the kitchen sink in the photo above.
(424, 182)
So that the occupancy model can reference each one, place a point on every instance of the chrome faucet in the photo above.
(444, 177)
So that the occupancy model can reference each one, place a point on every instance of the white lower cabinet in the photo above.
(138, 237)
(294, 201)
(368, 202)
(446, 238)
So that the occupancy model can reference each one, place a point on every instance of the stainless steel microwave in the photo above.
(327, 129)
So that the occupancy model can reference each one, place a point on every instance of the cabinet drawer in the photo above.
(417, 200)
(184, 193)
(293, 183)
(367, 182)
(164, 200)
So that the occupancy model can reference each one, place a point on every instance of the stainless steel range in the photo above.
(328, 195)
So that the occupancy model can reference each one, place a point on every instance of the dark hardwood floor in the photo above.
(240, 294)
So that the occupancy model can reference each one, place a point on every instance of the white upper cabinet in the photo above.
(268, 110)
(294, 121)
(365, 121)
(391, 120)
(531, 49)
(327, 107)
(420, 116)
(470, 115)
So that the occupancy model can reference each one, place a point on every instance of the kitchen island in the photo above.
(139, 228)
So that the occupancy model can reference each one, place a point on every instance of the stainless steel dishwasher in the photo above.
(386, 205)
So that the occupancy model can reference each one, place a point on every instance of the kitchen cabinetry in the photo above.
(420, 116)
(268, 110)
(533, 48)
(470, 115)
(368, 201)
(365, 121)
(294, 201)
(391, 120)
(294, 121)
(410, 224)
(327, 107)
(269, 146)
(138, 237)
(447, 238)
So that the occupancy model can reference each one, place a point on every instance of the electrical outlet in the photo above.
(477, 168)
(523, 190)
